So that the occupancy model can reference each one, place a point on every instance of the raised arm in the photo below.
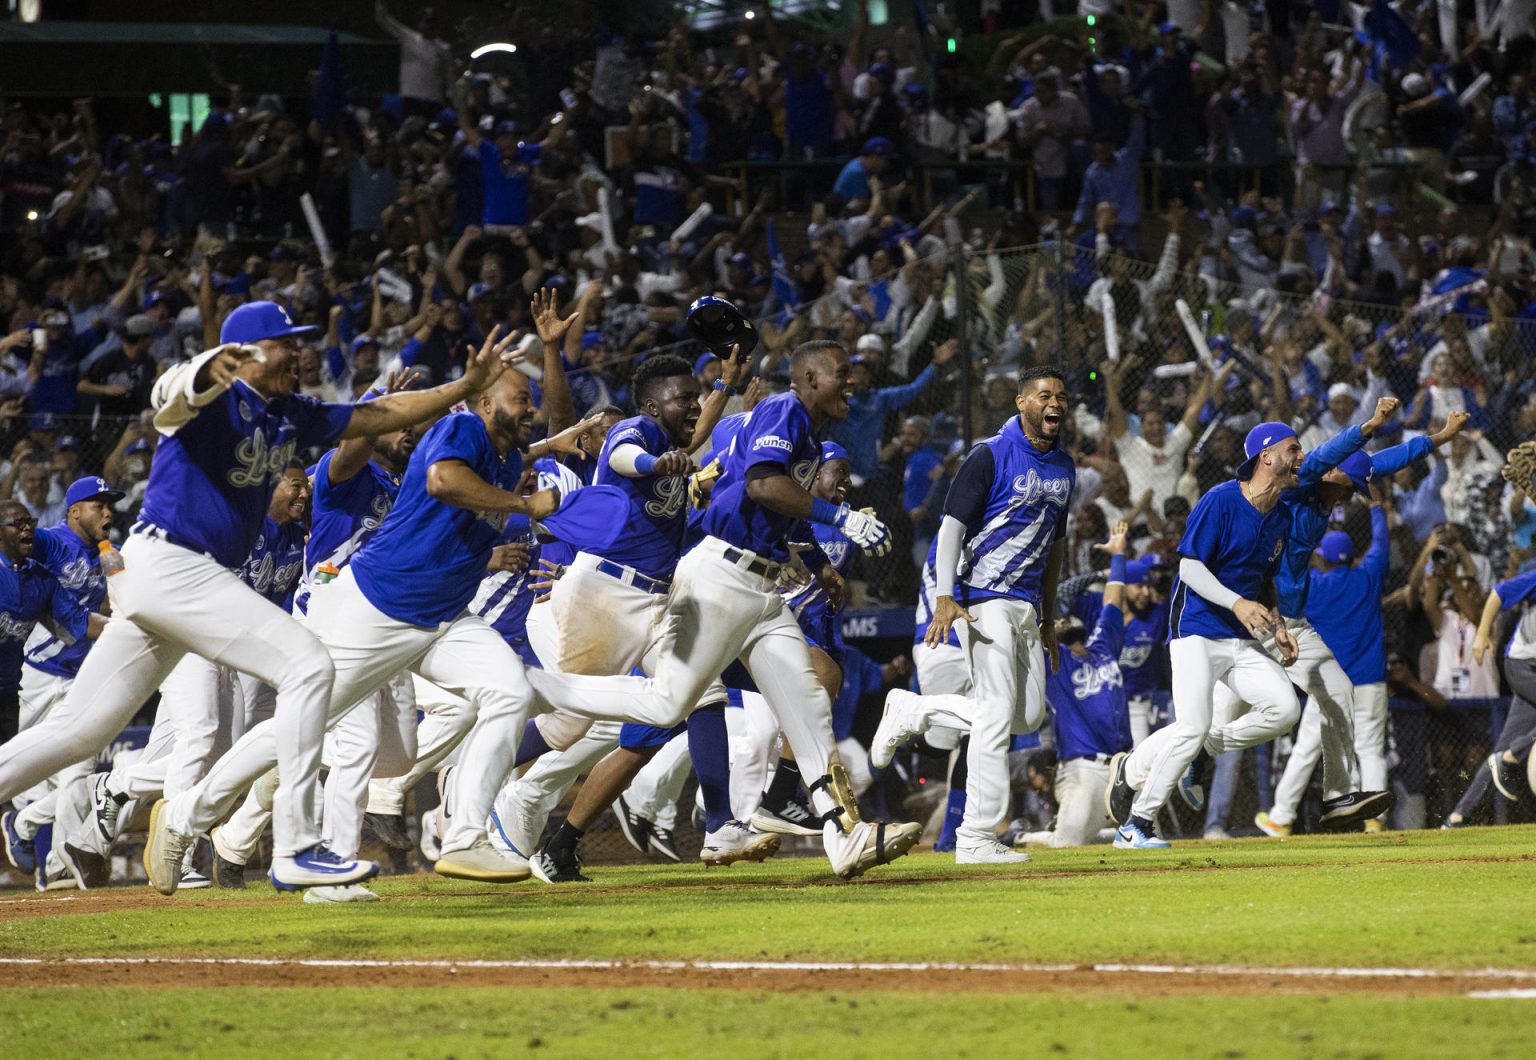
(559, 409)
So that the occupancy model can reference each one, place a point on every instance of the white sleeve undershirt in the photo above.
(1198, 577)
(946, 560)
(623, 458)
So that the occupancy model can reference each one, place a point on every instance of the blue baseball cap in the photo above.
(1259, 439)
(703, 359)
(255, 321)
(1138, 570)
(592, 338)
(832, 451)
(878, 145)
(1337, 547)
(364, 340)
(478, 291)
(90, 488)
(43, 421)
(140, 446)
(1361, 470)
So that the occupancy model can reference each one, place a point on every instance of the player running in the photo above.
(998, 562)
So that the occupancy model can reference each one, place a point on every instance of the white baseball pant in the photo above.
(1370, 733)
(1319, 675)
(658, 787)
(941, 671)
(376, 738)
(1201, 668)
(754, 735)
(368, 647)
(1139, 709)
(447, 720)
(40, 694)
(166, 602)
(1007, 666)
(524, 804)
(719, 610)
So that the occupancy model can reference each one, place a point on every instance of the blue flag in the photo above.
(784, 291)
(1393, 42)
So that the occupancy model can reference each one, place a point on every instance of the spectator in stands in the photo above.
(861, 431)
(853, 182)
(1049, 123)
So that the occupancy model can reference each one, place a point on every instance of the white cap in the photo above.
(1416, 86)
(1344, 390)
(869, 341)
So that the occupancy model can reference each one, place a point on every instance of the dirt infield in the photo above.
(1150, 981)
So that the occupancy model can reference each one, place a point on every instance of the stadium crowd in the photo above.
(1342, 195)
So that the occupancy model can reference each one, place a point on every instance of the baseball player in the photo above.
(941, 669)
(1086, 692)
(400, 604)
(230, 422)
(69, 552)
(997, 563)
(1343, 613)
(723, 604)
(1143, 655)
(28, 592)
(1234, 542)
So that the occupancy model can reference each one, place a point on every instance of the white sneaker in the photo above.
(483, 863)
(988, 852)
(352, 892)
(164, 850)
(871, 844)
(513, 830)
(901, 720)
(431, 835)
(736, 842)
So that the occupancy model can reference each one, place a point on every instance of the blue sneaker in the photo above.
(1191, 790)
(18, 851)
(318, 867)
(1129, 837)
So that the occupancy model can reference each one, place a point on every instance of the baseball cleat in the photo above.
(548, 869)
(389, 828)
(872, 843)
(104, 808)
(1118, 793)
(1357, 806)
(18, 851)
(164, 851)
(1130, 837)
(1269, 826)
(513, 830)
(900, 721)
(988, 852)
(192, 880)
(227, 875)
(319, 867)
(90, 869)
(482, 863)
(792, 817)
(663, 843)
(636, 829)
(1190, 788)
(1506, 776)
(352, 892)
(736, 842)
(61, 879)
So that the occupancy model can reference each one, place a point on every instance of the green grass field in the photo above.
(1426, 900)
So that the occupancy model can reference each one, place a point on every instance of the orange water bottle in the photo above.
(111, 559)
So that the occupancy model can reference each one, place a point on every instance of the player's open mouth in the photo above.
(1052, 420)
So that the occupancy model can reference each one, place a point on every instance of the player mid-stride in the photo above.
(998, 560)
(229, 422)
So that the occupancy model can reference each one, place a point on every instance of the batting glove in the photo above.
(864, 530)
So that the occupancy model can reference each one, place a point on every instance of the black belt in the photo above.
(754, 564)
(1098, 760)
(630, 576)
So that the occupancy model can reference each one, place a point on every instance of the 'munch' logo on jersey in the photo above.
(258, 462)
(12, 628)
(1032, 488)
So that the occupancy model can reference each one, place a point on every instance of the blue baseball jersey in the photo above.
(778, 432)
(557, 474)
(1240, 545)
(1013, 501)
(504, 598)
(653, 529)
(343, 516)
(28, 591)
(76, 566)
(426, 562)
(1519, 592)
(276, 561)
(722, 436)
(1344, 606)
(812, 609)
(1143, 658)
(1309, 520)
(213, 478)
(1087, 694)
